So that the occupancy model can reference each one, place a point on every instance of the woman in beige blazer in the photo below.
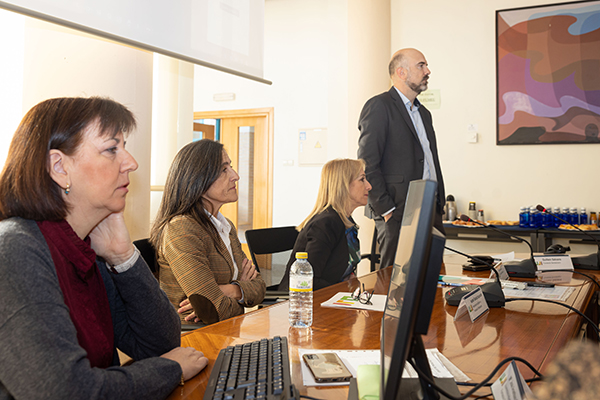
(198, 249)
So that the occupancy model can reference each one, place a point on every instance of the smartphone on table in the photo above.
(327, 367)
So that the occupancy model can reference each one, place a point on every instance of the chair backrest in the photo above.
(148, 253)
(270, 240)
(373, 256)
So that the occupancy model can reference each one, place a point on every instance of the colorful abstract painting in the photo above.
(548, 74)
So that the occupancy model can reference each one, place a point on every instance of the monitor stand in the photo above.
(416, 388)
(410, 388)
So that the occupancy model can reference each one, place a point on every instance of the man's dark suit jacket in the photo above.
(391, 148)
(324, 239)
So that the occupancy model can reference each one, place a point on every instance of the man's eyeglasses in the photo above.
(363, 297)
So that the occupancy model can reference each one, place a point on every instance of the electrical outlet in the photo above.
(472, 137)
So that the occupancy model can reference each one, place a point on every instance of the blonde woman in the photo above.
(329, 234)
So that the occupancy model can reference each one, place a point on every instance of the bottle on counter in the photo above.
(472, 210)
(480, 216)
(573, 216)
(593, 218)
(524, 217)
(535, 218)
(565, 216)
(557, 222)
(450, 209)
(583, 217)
(547, 219)
(301, 292)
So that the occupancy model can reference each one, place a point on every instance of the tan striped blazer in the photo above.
(191, 262)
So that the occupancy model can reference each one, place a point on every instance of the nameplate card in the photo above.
(511, 385)
(501, 269)
(553, 262)
(548, 265)
(474, 303)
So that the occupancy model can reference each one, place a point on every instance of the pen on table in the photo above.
(540, 284)
(449, 283)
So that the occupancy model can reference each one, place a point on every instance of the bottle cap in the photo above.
(449, 198)
(302, 255)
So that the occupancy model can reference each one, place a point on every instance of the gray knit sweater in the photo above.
(40, 357)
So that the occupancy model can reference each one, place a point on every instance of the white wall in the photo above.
(58, 62)
(324, 61)
(11, 77)
(297, 62)
(458, 40)
(317, 72)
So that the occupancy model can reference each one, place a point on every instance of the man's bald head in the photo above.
(400, 59)
(409, 72)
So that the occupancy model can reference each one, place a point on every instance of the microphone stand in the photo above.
(520, 269)
(492, 291)
(591, 261)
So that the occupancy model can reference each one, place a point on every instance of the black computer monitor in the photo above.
(411, 295)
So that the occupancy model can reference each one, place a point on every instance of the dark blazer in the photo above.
(324, 239)
(391, 148)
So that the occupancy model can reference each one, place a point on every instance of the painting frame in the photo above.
(548, 74)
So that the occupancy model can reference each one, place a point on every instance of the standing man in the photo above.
(397, 142)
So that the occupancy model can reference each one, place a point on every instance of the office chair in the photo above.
(148, 253)
(270, 241)
(373, 256)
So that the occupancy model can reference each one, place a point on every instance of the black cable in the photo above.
(530, 380)
(560, 304)
(303, 396)
(480, 385)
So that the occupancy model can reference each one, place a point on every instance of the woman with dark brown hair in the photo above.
(198, 248)
(74, 288)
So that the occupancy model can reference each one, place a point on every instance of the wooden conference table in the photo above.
(534, 331)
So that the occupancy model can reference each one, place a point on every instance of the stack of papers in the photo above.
(441, 367)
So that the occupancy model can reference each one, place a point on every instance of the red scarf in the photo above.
(83, 290)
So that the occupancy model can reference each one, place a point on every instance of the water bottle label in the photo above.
(300, 284)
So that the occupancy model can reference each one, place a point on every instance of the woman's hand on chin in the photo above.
(110, 239)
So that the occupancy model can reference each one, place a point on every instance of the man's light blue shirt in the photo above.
(415, 116)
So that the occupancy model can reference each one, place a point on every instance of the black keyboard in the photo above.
(254, 371)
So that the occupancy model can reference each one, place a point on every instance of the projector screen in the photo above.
(226, 35)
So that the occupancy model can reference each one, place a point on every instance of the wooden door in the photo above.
(248, 140)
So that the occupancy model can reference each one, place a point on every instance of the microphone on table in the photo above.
(591, 261)
(520, 269)
(492, 291)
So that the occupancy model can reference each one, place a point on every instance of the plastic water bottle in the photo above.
(301, 295)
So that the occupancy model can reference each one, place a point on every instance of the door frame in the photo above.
(266, 113)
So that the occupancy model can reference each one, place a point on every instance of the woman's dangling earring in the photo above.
(67, 190)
